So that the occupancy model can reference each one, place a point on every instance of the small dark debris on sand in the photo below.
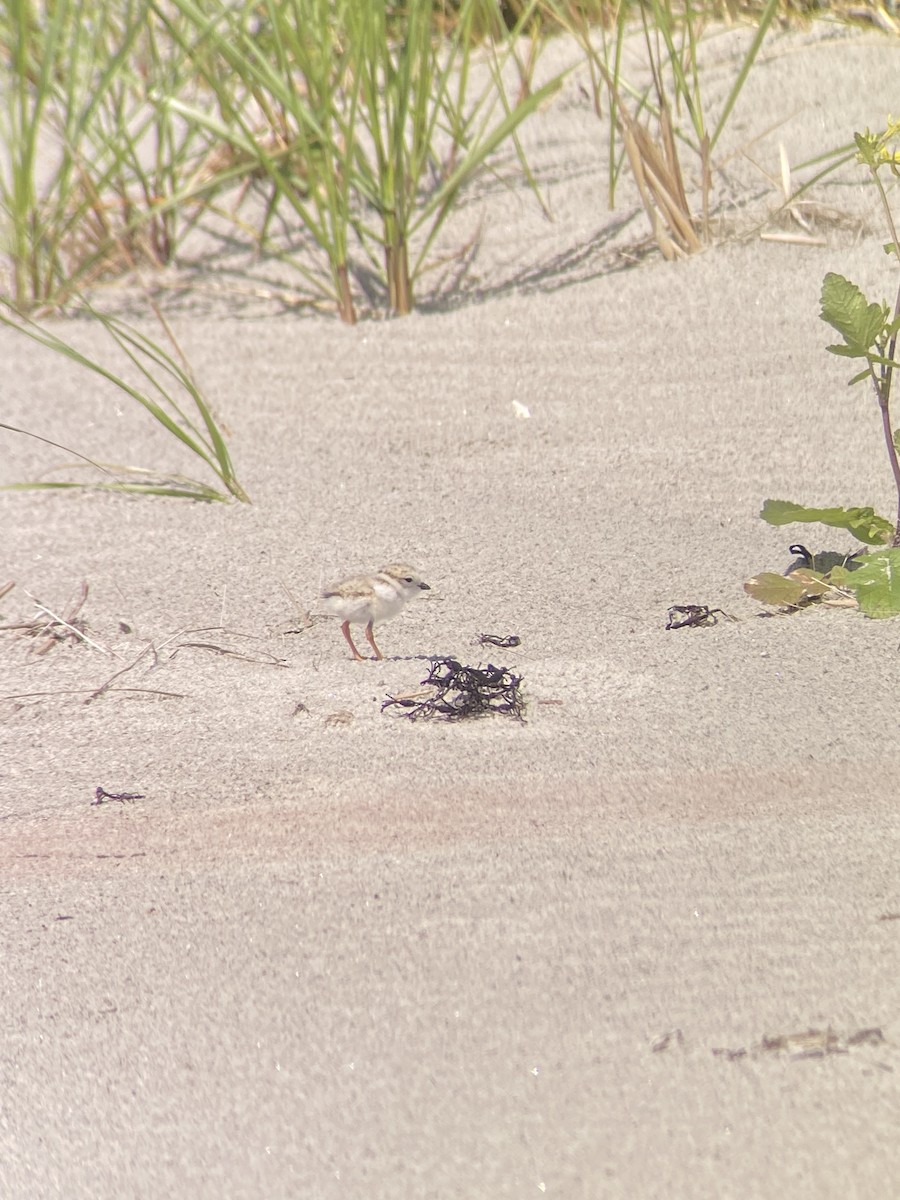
(808, 1043)
(101, 795)
(462, 691)
(683, 616)
(508, 642)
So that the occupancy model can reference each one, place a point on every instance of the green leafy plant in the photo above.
(89, 177)
(170, 386)
(123, 124)
(276, 95)
(868, 332)
(362, 121)
(425, 134)
(49, 98)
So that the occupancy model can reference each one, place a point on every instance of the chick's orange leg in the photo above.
(345, 630)
(370, 638)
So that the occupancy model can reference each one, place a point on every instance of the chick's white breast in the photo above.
(390, 599)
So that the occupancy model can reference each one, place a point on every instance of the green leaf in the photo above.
(867, 148)
(877, 583)
(863, 523)
(846, 309)
(190, 491)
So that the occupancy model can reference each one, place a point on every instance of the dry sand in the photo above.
(331, 953)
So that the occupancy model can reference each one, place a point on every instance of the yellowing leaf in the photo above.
(779, 590)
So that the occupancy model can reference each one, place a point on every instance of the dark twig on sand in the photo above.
(102, 794)
(262, 657)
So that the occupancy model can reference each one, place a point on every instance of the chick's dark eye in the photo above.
(409, 579)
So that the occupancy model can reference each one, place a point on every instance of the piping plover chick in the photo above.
(369, 599)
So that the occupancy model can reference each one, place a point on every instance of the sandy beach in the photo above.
(643, 945)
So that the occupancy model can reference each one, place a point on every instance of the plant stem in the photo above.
(883, 384)
(346, 308)
(883, 391)
(400, 287)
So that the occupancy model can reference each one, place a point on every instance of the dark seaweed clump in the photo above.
(462, 692)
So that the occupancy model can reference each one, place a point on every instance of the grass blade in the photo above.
(140, 350)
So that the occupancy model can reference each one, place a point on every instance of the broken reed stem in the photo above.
(658, 175)
(67, 622)
(73, 629)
